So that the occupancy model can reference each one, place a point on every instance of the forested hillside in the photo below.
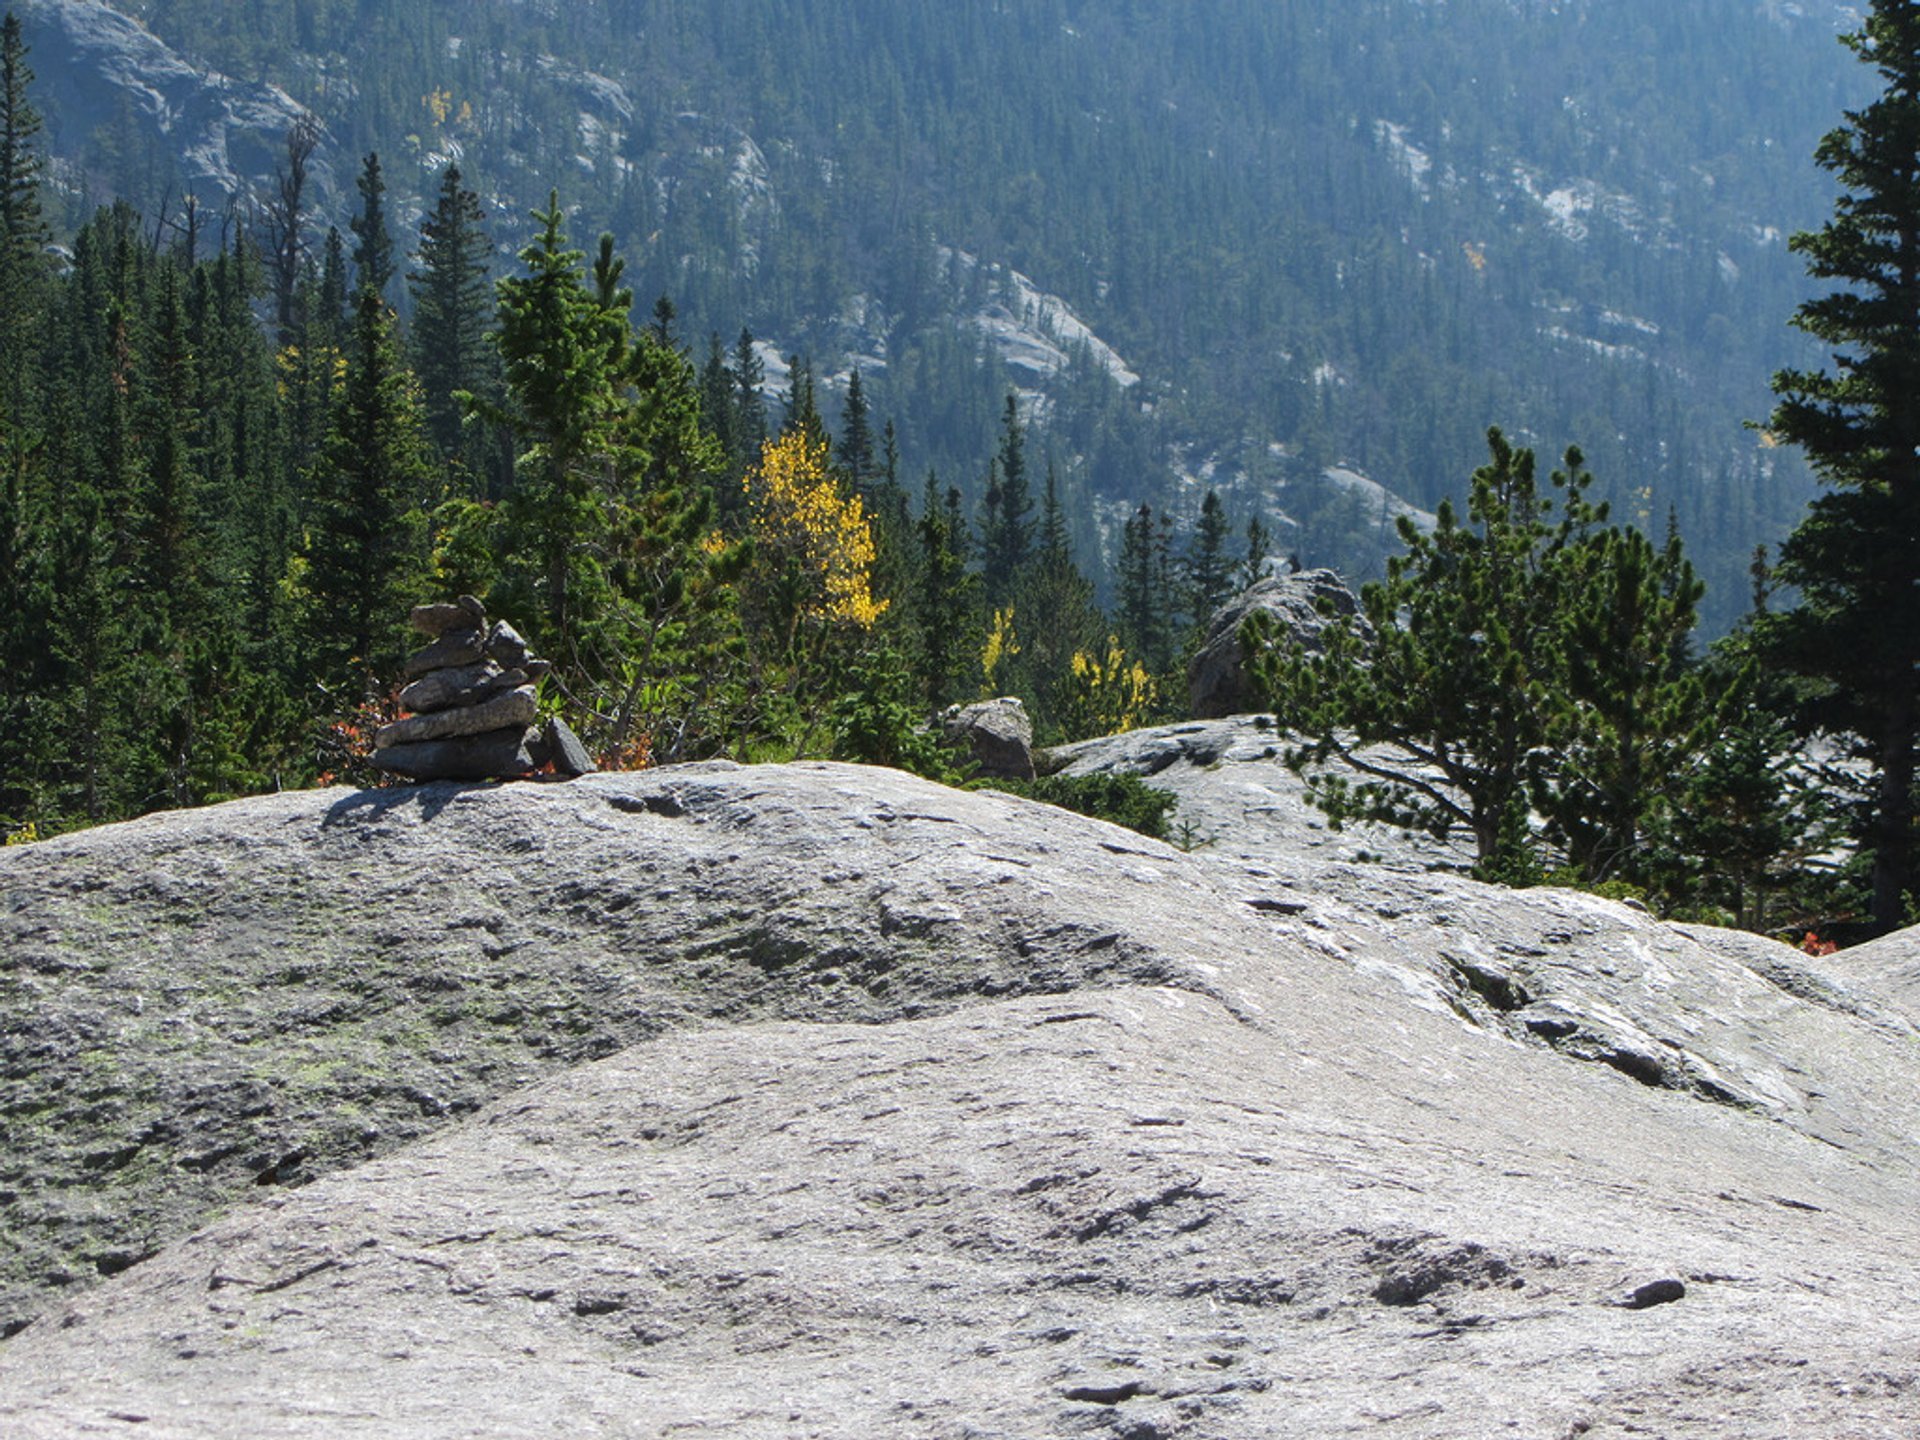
(931, 356)
(1329, 231)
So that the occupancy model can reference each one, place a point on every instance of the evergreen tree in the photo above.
(325, 323)
(1855, 559)
(1006, 531)
(1063, 620)
(803, 408)
(1209, 572)
(855, 451)
(1259, 547)
(365, 545)
(23, 227)
(1142, 600)
(749, 406)
(562, 389)
(452, 312)
(1460, 674)
(943, 598)
(25, 514)
(372, 244)
(716, 397)
(1633, 711)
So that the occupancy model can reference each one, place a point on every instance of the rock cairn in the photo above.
(471, 697)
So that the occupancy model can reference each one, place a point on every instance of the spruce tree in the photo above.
(1855, 559)
(452, 313)
(855, 451)
(365, 547)
(372, 243)
(1209, 572)
(23, 226)
(1006, 531)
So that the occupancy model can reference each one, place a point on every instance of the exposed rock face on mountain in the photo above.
(95, 65)
(1302, 605)
(921, 1113)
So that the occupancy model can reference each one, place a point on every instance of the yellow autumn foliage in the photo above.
(1105, 694)
(799, 517)
(1002, 644)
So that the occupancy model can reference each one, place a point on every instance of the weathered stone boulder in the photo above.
(995, 735)
(562, 749)
(1302, 604)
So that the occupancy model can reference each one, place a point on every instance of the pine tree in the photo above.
(1209, 572)
(1259, 547)
(372, 244)
(1142, 599)
(1855, 559)
(855, 451)
(23, 228)
(1632, 711)
(749, 406)
(1062, 619)
(452, 314)
(1006, 531)
(562, 387)
(943, 597)
(1459, 676)
(24, 236)
(365, 547)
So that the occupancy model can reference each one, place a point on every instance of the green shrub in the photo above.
(1123, 799)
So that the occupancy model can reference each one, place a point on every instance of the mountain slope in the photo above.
(1359, 232)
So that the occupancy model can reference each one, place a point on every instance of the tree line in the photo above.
(229, 475)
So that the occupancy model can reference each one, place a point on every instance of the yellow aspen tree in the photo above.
(812, 542)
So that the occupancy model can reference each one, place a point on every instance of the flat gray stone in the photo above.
(491, 755)
(915, 1113)
(454, 649)
(513, 709)
(462, 685)
(436, 620)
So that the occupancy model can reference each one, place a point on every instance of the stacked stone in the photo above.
(471, 694)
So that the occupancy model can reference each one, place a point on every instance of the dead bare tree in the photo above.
(282, 225)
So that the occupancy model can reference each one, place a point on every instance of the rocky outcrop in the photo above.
(1255, 1140)
(1301, 604)
(995, 737)
(98, 69)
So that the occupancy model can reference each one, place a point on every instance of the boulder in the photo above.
(995, 735)
(515, 708)
(1302, 604)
